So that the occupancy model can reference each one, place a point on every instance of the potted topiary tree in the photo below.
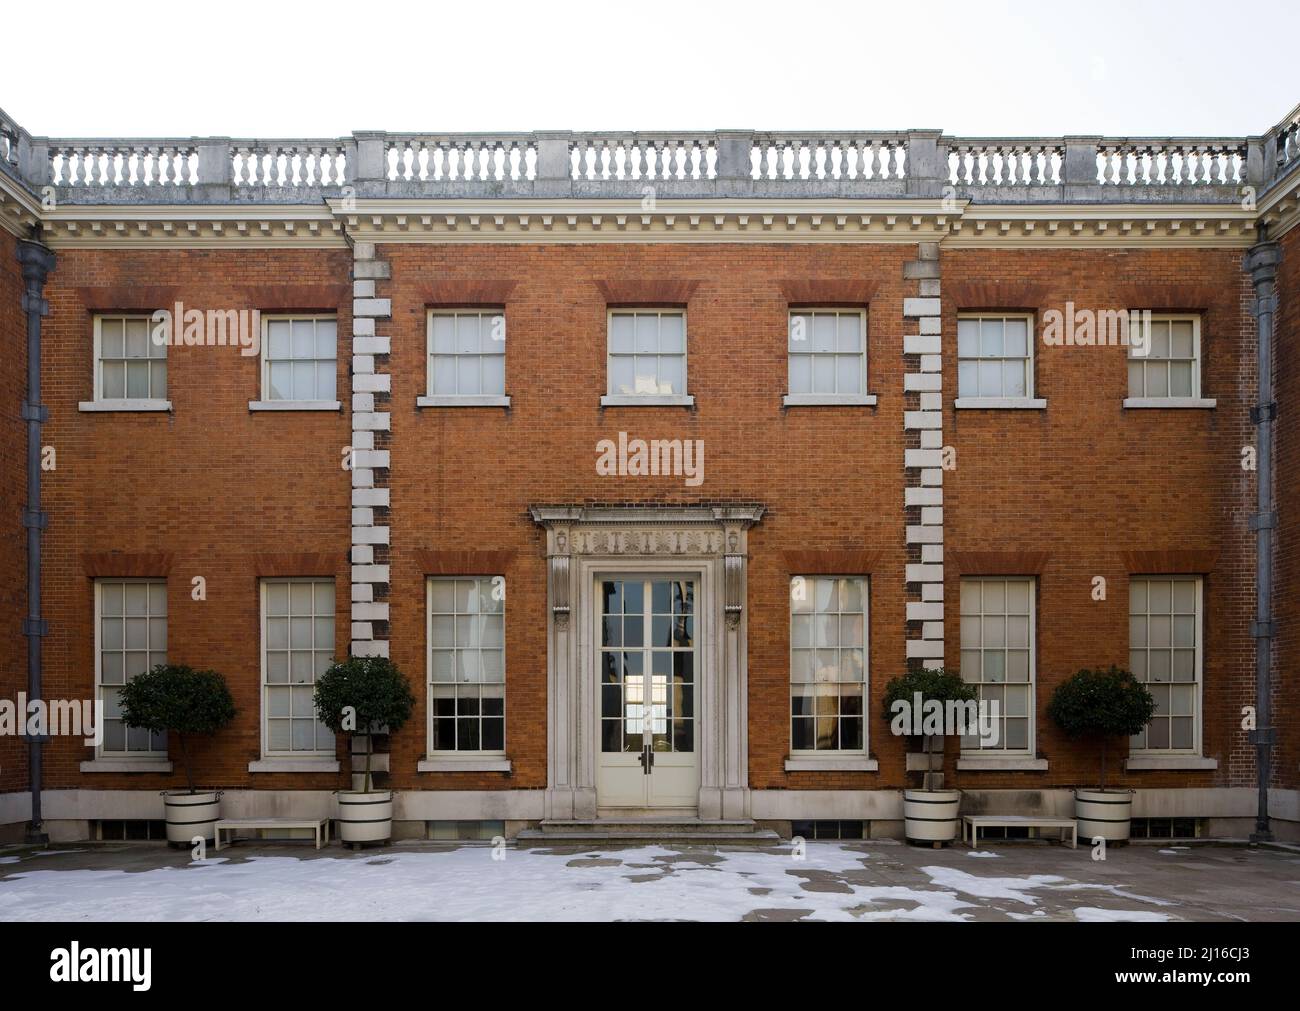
(178, 699)
(1102, 705)
(355, 698)
(930, 814)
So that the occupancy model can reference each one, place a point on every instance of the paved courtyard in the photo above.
(835, 881)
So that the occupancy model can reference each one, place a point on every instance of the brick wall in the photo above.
(214, 487)
(1086, 481)
(13, 494)
(211, 485)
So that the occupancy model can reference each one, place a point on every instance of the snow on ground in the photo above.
(1090, 914)
(650, 883)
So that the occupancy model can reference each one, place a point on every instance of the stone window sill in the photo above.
(466, 401)
(1011, 763)
(1174, 402)
(1151, 763)
(294, 405)
(829, 400)
(127, 765)
(464, 763)
(648, 400)
(1000, 404)
(125, 406)
(839, 763)
(294, 765)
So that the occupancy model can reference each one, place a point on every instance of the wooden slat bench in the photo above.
(321, 826)
(972, 823)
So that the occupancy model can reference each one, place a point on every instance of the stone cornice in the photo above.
(1108, 226)
(957, 224)
(19, 211)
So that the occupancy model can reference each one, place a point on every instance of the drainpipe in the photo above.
(1261, 264)
(37, 262)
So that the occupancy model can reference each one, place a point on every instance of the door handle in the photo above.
(647, 759)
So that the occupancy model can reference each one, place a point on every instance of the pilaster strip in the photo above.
(371, 455)
(923, 460)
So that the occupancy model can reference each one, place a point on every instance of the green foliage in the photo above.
(173, 697)
(937, 683)
(1101, 703)
(362, 691)
(179, 698)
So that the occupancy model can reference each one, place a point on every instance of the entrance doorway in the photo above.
(647, 671)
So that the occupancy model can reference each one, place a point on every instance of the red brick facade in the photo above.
(1080, 489)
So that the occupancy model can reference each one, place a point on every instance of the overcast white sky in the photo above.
(323, 69)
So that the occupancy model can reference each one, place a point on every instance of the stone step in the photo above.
(662, 825)
(678, 832)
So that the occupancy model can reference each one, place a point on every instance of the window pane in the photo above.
(494, 374)
(621, 375)
(800, 332)
(990, 381)
(326, 338)
(672, 333)
(849, 374)
(467, 378)
(647, 333)
(137, 380)
(444, 375)
(443, 334)
(114, 380)
(277, 339)
(968, 338)
(849, 332)
(137, 338)
(671, 370)
(968, 379)
(990, 338)
(1013, 379)
(823, 374)
(1136, 387)
(1016, 338)
(110, 338)
(800, 373)
(823, 334)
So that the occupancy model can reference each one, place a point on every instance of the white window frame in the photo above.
(1031, 748)
(318, 755)
(430, 399)
(445, 757)
(811, 755)
(102, 752)
(98, 401)
(267, 403)
(863, 398)
(1198, 663)
(615, 399)
(1196, 400)
(1028, 401)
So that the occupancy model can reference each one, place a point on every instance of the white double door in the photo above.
(647, 673)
